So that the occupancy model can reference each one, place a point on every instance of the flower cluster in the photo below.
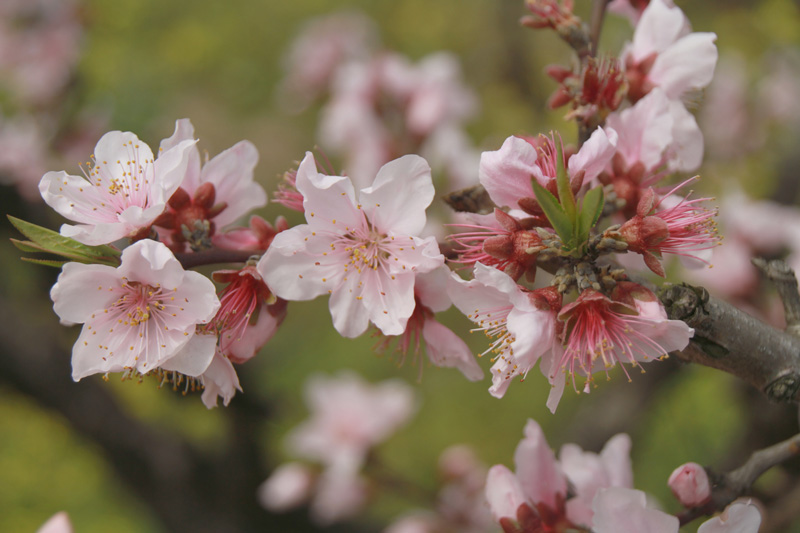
(146, 315)
(600, 498)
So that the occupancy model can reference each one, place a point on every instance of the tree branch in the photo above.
(596, 23)
(779, 273)
(215, 256)
(729, 339)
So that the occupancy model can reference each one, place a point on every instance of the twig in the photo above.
(596, 24)
(729, 339)
(728, 486)
(779, 273)
(215, 256)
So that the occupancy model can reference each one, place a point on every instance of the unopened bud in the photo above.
(689, 484)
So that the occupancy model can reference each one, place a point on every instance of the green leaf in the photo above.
(562, 182)
(554, 213)
(46, 262)
(591, 209)
(48, 241)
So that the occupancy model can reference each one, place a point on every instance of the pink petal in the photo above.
(539, 475)
(595, 154)
(219, 381)
(688, 144)
(58, 523)
(737, 518)
(82, 290)
(231, 172)
(619, 510)
(397, 200)
(389, 302)
(195, 356)
(184, 131)
(446, 349)
(506, 173)
(687, 64)
(659, 27)
(431, 289)
(503, 492)
(350, 316)
(645, 130)
(328, 201)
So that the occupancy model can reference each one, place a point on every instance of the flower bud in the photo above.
(689, 484)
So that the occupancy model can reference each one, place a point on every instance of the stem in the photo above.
(215, 256)
(596, 24)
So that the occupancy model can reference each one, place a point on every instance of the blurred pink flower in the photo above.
(58, 523)
(39, 47)
(24, 156)
(348, 417)
(288, 487)
(364, 252)
(323, 45)
(123, 192)
(136, 316)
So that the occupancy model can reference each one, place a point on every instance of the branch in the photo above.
(779, 273)
(216, 256)
(728, 486)
(729, 339)
(596, 23)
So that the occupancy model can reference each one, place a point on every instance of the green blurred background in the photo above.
(149, 62)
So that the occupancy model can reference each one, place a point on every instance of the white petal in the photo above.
(659, 27)
(328, 201)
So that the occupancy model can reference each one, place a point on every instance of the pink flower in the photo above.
(506, 173)
(503, 242)
(365, 253)
(257, 236)
(123, 192)
(520, 322)
(288, 487)
(689, 483)
(624, 510)
(136, 316)
(249, 314)
(680, 227)
(536, 493)
(58, 523)
(621, 510)
(589, 472)
(630, 327)
(444, 348)
(211, 197)
(348, 417)
(665, 54)
(324, 45)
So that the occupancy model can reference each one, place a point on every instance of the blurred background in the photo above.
(71, 70)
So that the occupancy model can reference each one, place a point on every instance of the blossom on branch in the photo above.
(665, 53)
(363, 251)
(137, 316)
(124, 190)
(210, 196)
